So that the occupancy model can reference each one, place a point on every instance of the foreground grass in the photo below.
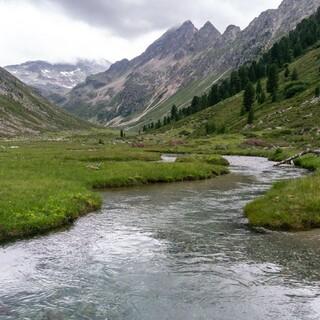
(293, 206)
(290, 205)
(45, 185)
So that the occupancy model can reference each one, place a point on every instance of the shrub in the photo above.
(294, 88)
(211, 127)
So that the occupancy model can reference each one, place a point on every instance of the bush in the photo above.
(211, 127)
(294, 88)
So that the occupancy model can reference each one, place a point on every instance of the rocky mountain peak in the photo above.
(119, 66)
(272, 24)
(232, 29)
(231, 33)
(185, 32)
(187, 26)
(205, 37)
(287, 4)
(209, 30)
(170, 43)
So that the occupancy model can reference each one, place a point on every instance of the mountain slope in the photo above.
(53, 81)
(183, 61)
(294, 121)
(24, 112)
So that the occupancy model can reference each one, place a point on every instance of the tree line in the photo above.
(248, 76)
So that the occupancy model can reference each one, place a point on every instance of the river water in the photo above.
(171, 251)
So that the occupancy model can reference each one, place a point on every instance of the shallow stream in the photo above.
(170, 251)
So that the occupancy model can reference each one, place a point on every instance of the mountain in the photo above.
(182, 63)
(53, 81)
(22, 111)
(293, 120)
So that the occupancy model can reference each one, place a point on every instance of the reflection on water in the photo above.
(179, 251)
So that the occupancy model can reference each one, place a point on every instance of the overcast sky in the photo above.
(63, 30)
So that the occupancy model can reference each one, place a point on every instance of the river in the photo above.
(171, 251)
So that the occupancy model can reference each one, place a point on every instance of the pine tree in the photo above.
(214, 96)
(195, 104)
(235, 83)
(261, 69)
(252, 72)
(121, 133)
(251, 116)
(297, 49)
(224, 89)
(287, 72)
(174, 113)
(273, 81)
(261, 96)
(244, 77)
(204, 101)
(249, 97)
(259, 89)
(295, 75)
(317, 92)
(211, 127)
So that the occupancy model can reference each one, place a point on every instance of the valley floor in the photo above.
(48, 183)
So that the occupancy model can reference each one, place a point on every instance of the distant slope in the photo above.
(24, 112)
(183, 61)
(53, 81)
(295, 120)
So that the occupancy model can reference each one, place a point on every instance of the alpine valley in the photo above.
(234, 117)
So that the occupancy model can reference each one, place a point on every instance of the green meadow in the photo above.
(48, 183)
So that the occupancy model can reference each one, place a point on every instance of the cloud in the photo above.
(28, 32)
(63, 30)
(130, 18)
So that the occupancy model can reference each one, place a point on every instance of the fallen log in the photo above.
(299, 155)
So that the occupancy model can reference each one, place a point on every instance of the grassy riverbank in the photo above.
(48, 184)
(290, 205)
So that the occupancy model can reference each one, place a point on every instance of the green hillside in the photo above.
(182, 98)
(295, 120)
